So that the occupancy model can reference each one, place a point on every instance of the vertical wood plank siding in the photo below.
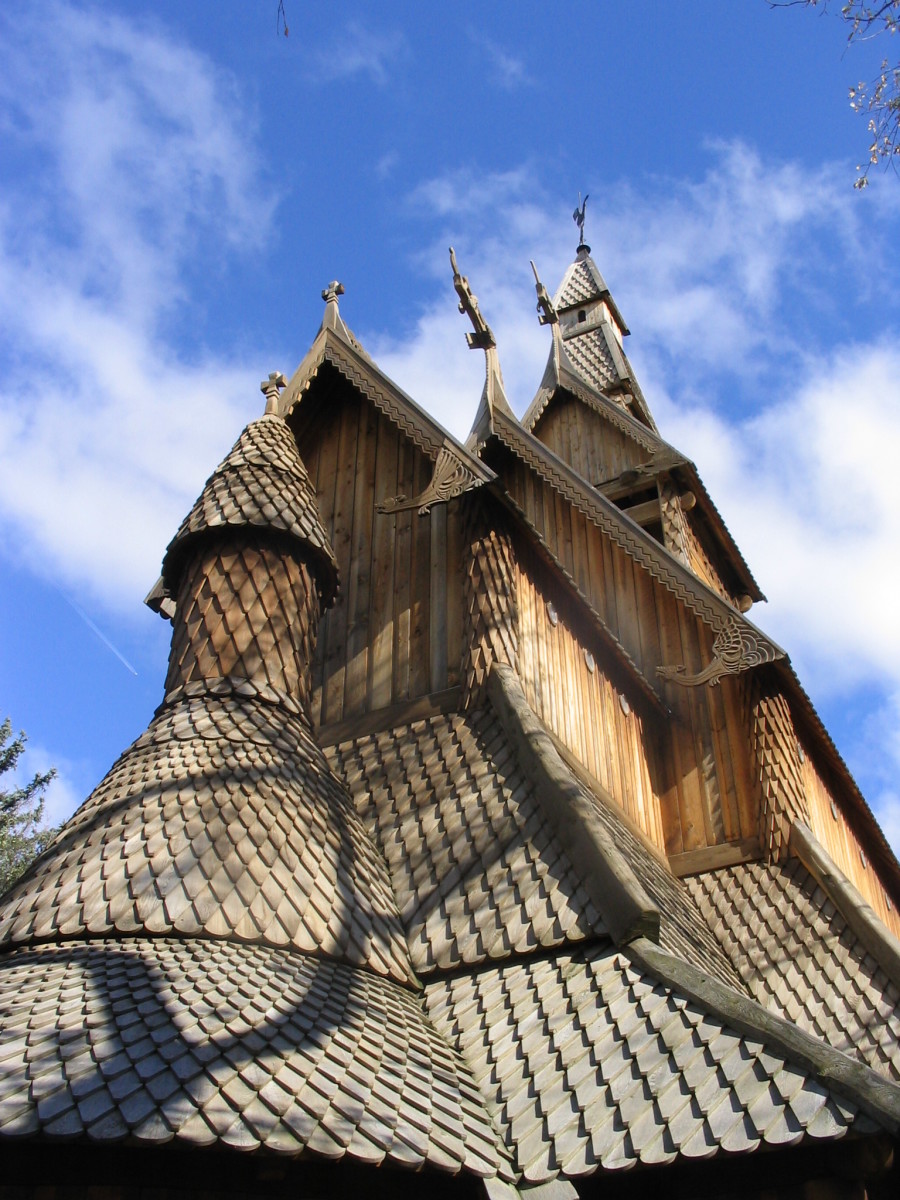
(708, 799)
(830, 826)
(583, 707)
(595, 448)
(395, 631)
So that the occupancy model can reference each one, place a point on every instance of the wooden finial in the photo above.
(482, 338)
(547, 314)
(331, 293)
(271, 388)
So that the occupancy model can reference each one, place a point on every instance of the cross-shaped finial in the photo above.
(271, 389)
(332, 292)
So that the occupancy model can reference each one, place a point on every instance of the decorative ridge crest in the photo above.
(272, 388)
(493, 397)
(547, 314)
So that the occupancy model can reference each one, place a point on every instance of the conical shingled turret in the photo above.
(223, 819)
(250, 567)
(261, 482)
(217, 903)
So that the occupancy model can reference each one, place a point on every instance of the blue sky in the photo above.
(178, 183)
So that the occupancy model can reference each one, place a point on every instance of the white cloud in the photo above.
(358, 51)
(508, 70)
(134, 158)
(807, 491)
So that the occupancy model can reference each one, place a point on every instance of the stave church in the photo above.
(481, 844)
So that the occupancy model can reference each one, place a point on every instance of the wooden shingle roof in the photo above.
(263, 483)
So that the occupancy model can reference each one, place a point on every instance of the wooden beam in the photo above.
(639, 478)
(711, 858)
(646, 513)
(433, 705)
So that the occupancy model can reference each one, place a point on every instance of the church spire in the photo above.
(592, 330)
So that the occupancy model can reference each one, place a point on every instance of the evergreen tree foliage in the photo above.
(22, 836)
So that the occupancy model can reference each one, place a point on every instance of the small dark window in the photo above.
(582, 316)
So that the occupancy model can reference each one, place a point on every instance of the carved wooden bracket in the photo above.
(451, 477)
(737, 647)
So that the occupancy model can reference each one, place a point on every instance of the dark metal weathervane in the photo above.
(578, 218)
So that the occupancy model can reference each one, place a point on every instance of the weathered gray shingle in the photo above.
(798, 957)
(213, 1042)
(262, 482)
(474, 865)
(222, 820)
(587, 1062)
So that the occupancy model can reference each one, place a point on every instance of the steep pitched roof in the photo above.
(591, 331)
(336, 345)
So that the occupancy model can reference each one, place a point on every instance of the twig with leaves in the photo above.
(879, 98)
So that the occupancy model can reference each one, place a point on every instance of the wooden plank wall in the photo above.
(588, 443)
(395, 631)
(830, 826)
(701, 559)
(710, 799)
(583, 707)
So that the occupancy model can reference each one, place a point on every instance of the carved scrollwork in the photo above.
(737, 647)
(451, 478)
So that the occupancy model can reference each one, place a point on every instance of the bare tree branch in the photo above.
(879, 98)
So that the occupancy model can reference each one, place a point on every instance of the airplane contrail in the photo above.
(99, 632)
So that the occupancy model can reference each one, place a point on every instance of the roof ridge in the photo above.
(351, 361)
(864, 1087)
(697, 595)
